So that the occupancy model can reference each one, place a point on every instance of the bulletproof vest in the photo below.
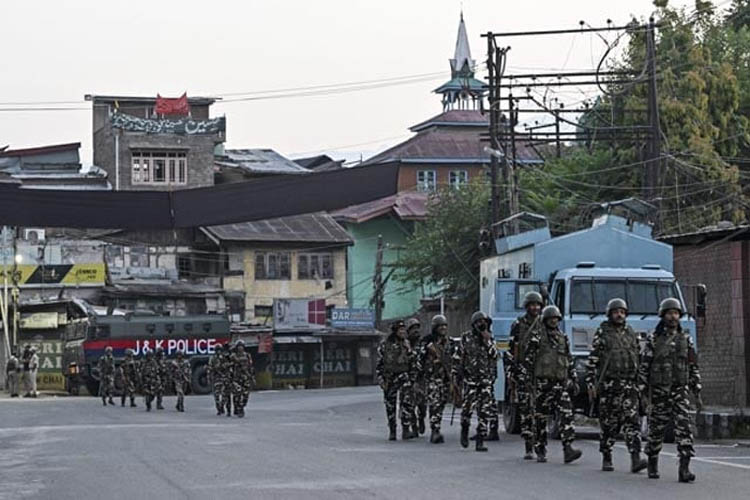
(396, 357)
(523, 334)
(12, 364)
(670, 364)
(439, 349)
(622, 351)
(478, 361)
(552, 358)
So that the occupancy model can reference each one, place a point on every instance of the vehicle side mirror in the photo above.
(545, 292)
(700, 301)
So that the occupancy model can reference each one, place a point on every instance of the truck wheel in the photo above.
(511, 418)
(92, 386)
(199, 380)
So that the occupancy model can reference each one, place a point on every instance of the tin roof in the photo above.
(306, 228)
(258, 161)
(406, 205)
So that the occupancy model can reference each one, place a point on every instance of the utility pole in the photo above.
(377, 282)
(653, 165)
(514, 200)
(4, 309)
(494, 112)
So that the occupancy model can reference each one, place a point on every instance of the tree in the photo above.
(444, 251)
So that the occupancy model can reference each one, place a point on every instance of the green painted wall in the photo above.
(401, 299)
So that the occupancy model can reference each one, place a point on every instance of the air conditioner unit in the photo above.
(33, 235)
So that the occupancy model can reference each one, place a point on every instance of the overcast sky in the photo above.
(61, 50)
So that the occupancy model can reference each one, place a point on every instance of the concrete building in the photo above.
(141, 150)
(719, 258)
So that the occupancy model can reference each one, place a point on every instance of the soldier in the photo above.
(162, 379)
(243, 377)
(436, 365)
(12, 372)
(413, 327)
(475, 367)
(180, 372)
(129, 367)
(549, 373)
(612, 377)
(395, 372)
(669, 370)
(106, 367)
(216, 377)
(30, 363)
(150, 378)
(227, 369)
(520, 332)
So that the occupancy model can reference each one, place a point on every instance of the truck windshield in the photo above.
(591, 295)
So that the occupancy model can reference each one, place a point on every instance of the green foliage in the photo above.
(444, 249)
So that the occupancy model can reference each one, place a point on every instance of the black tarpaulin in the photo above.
(223, 204)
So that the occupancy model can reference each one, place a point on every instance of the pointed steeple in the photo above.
(462, 64)
(463, 91)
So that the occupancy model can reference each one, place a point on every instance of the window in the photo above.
(263, 312)
(139, 257)
(426, 180)
(522, 289)
(272, 266)
(315, 266)
(458, 178)
(643, 297)
(155, 167)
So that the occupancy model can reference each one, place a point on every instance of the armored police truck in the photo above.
(196, 336)
(579, 272)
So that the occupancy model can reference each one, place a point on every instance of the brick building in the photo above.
(141, 150)
(719, 257)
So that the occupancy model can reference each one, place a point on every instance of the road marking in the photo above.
(702, 459)
(88, 427)
(725, 458)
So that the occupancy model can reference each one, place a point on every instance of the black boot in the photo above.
(158, 403)
(219, 410)
(110, 401)
(148, 404)
(421, 426)
(132, 402)
(436, 437)
(229, 410)
(392, 432)
(494, 435)
(571, 454)
(122, 401)
(683, 473)
(607, 461)
(480, 444)
(408, 432)
(541, 454)
(104, 401)
(637, 464)
(529, 454)
(653, 467)
(465, 435)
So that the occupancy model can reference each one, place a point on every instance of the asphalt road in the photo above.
(305, 444)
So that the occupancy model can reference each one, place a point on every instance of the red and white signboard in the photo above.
(299, 314)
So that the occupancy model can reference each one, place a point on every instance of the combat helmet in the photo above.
(129, 352)
(412, 322)
(480, 315)
(670, 303)
(396, 325)
(551, 311)
(438, 320)
(532, 297)
(108, 349)
(616, 303)
(218, 348)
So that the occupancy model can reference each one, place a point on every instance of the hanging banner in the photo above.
(172, 106)
(57, 274)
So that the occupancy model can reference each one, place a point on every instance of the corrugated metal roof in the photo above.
(307, 228)
(259, 161)
(406, 205)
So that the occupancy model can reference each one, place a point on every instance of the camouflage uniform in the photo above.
(420, 384)
(669, 371)
(226, 367)
(614, 360)
(520, 332)
(130, 375)
(243, 378)
(163, 378)
(216, 376)
(180, 372)
(475, 368)
(395, 372)
(13, 373)
(106, 368)
(548, 372)
(150, 378)
(435, 363)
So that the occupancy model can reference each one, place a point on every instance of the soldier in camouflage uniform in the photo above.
(611, 377)
(163, 378)
(149, 378)
(669, 371)
(413, 333)
(243, 377)
(474, 368)
(216, 377)
(129, 367)
(226, 367)
(549, 373)
(106, 367)
(435, 363)
(180, 372)
(520, 332)
(395, 372)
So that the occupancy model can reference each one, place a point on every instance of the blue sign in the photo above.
(353, 318)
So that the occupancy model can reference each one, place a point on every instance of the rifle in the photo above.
(594, 405)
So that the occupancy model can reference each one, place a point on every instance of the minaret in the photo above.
(463, 91)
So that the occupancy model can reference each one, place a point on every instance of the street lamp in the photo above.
(19, 258)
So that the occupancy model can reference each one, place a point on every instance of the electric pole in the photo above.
(377, 281)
